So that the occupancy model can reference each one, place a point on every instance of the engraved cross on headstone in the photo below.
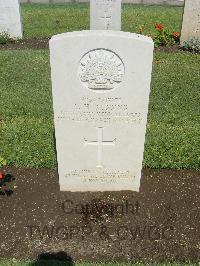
(100, 143)
(105, 14)
(107, 19)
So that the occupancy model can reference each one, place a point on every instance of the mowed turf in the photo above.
(45, 20)
(26, 116)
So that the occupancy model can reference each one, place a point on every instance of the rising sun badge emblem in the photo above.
(101, 69)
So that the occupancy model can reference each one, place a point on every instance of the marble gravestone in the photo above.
(191, 21)
(105, 14)
(10, 18)
(100, 86)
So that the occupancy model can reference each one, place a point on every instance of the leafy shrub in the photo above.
(192, 45)
(163, 36)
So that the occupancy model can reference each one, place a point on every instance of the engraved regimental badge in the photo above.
(101, 69)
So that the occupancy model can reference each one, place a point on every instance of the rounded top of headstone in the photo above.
(101, 33)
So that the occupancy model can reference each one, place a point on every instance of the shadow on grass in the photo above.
(53, 259)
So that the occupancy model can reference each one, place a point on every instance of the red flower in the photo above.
(176, 34)
(159, 27)
(2, 175)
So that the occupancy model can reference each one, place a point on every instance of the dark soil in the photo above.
(169, 49)
(159, 223)
(34, 43)
(43, 43)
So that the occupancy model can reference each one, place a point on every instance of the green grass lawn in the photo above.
(26, 124)
(45, 20)
(26, 115)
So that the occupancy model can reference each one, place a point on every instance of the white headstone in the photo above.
(10, 18)
(100, 84)
(105, 14)
(191, 21)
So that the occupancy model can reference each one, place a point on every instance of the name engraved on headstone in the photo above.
(101, 109)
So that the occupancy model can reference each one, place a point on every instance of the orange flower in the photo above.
(176, 34)
(159, 27)
(2, 175)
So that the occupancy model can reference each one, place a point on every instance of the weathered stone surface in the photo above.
(10, 19)
(105, 14)
(191, 21)
(101, 84)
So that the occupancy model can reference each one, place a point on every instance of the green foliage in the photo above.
(3, 162)
(45, 20)
(163, 36)
(192, 45)
(26, 115)
(5, 38)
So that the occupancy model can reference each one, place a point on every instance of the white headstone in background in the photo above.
(10, 18)
(105, 14)
(100, 84)
(191, 21)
